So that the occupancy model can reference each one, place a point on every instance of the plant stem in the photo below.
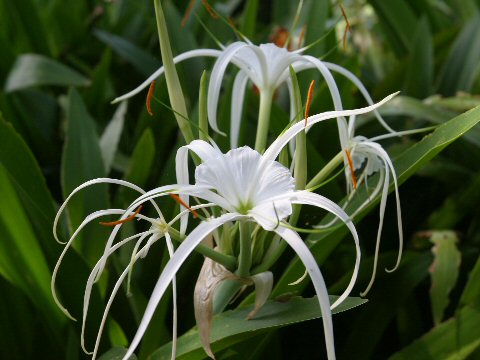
(266, 98)
(245, 256)
(230, 262)
(326, 170)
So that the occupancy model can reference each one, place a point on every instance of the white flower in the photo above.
(248, 186)
(266, 66)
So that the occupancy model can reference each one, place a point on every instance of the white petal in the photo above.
(168, 273)
(349, 75)
(308, 198)
(272, 152)
(176, 60)
(308, 260)
(87, 220)
(269, 214)
(238, 94)
(216, 81)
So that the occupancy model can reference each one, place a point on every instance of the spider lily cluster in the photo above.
(247, 200)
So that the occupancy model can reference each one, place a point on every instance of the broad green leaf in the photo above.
(419, 77)
(111, 136)
(37, 70)
(231, 326)
(21, 258)
(454, 339)
(461, 68)
(249, 18)
(443, 271)
(81, 162)
(143, 62)
(406, 165)
(142, 159)
(389, 294)
(399, 29)
(116, 353)
(24, 173)
(471, 292)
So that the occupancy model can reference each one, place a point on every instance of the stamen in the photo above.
(347, 27)
(181, 202)
(188, 12)
(301, 36)
(149, 97)
(280, 37)
(123, 221)
(352, 170)
(207, 6)
(309, 100)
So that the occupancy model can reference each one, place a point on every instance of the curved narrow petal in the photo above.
(91, 281)
(238, 95)
(216, 81)
(308, 198)
(297, 244)
(356, 81)
(93, 182)
(204, 151)
(173, 265)
(272, 152)
(111, 298)
(171, 251)
(87, 220)
(186, 55)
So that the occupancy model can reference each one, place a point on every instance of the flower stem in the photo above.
(245, 256)
(266, 98)
(326, 170)
(230, 262)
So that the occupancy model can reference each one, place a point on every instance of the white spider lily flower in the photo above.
(267, 67)
(249, 186)
(159, 229)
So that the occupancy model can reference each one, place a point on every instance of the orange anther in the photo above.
(181, 202)
(149, 97)
(301, 37)
(309, 100)
(123, 221)
(188, 12)
(207, 6)
(280, 37)
(352, 170)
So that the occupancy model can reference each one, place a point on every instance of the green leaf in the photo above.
(471, 292)
(419, 77)
(461, 67)
(443, 271)
(406, 165)
(249, 18)
(455, 339)
(143, 62)
(37, 70)
(116, 353)
(21, 258)
(398, 28)
(81, 162)
(231, 327)
(111, 135)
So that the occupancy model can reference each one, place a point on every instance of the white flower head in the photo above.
(248, 186)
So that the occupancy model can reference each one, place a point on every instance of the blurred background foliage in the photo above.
(64, 61)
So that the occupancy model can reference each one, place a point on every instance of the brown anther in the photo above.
(123, 221)
(188, 12)
(352, 170)
(347, 27)
(149, 97)
(207, 6)
(181, 202)
(309, 100)
(280, 37)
